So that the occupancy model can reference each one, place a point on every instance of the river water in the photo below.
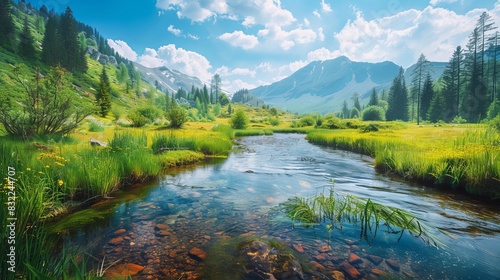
(156, 227)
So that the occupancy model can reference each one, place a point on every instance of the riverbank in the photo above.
(44, 179)
(465, 157)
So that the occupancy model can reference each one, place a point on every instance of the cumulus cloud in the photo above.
(437, 2)
(175, 31)
(321, 35)
(265, 12)
(316, 14)
(123, 49)
(249, 21)
(288, 39)
(188, 62)
(401, 38)
(325, 7)
(240, 39)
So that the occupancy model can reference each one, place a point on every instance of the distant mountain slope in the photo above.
(437, 69)
(170, 80)
(322, 86)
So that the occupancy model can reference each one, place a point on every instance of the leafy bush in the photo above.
(459, 120)
(47, 106)
(370, 128)
(307, 121)
(330, 121)
(95, 126)
(273, 111)
(374, 113)
(274, 121)
(137, 119)
(177, 117)
(239, 120)
(495, 123)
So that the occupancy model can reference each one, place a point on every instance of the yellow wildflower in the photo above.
(60, 183)
(40, 172)
(28, 169)
(47, 166)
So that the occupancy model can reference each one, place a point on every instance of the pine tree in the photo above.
(73, 58)
(345, 110)
(452, 85)
(373, 98)
(7, 29)
(355, 99)
(215, 87)
(421, 69)
(493, 52)
(427, 96)
(398, 99)
(436, 112)
(103, 95)
(26, 44)
(51, 43)
(472, 106)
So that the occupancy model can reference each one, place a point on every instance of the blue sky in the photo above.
(255, 42)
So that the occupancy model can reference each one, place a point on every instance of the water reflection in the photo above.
(156, 227)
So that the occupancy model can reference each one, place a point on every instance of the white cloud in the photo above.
(240, 39)
(194, 37)
(316, 14)
(307, 23)
(436, 2)
(175, 31)
(321, 35)
(288, 39)
(327, 8)
(123, 49)
(265, 12)
(188, 62)
(249, 21)
(322, 54)
(401, 38)
(224, 71)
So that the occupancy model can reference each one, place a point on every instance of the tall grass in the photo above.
(469, 159)
(334, 209)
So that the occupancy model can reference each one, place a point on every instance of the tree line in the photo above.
(467, 91)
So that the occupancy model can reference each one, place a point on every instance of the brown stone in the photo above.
(316, 265)
(197, 254)
(378, 272)
(173, 254)
(163, 233)
(321, 257)
(116, 241)
(350, 270)
(123, 270)
(353, 259)
(325, 249)
(207, 237)
(120, 232)
(392, 264)
(162, 227)
(374, 259)
(338, 275)
(298, 248)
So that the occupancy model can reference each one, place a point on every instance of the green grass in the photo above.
(463, 157)
(334, 209)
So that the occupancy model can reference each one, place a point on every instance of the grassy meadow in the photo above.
(453, 156)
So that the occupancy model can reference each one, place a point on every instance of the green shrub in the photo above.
(495, 123)
(307, 121)
(374, 113)
(330, 121)
(274, 121)
(95, 126)
(137, 119)
(370, 128)
(239, 120)
(177, 116)
(459, 120)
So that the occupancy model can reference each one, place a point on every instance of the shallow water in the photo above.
(202, 206)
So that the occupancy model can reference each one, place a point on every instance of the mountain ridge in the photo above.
(322, 86)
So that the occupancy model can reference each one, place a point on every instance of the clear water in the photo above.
(204, 205)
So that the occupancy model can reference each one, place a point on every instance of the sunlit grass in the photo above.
(466, 157)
